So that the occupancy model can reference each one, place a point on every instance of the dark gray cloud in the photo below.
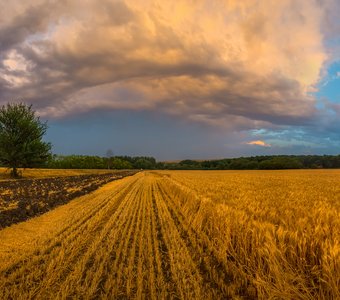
(31, 20)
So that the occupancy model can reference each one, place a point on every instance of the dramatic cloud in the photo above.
(235, 64)
(259, 143)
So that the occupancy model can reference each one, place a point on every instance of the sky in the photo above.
(198, 79)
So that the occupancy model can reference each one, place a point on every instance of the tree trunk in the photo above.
(15, 173)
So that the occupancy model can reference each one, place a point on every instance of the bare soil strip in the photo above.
(23, 199)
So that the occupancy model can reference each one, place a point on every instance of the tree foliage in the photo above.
(242, 163)
(97, 162)
(268, 162)
(21, 133)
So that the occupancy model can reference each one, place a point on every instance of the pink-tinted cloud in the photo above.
(258, 143)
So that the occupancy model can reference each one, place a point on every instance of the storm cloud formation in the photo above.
(239, 65)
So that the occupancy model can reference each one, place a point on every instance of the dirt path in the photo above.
(125, 240)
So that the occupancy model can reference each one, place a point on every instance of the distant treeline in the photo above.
(97, 162)
(242, 163)
(261, 163)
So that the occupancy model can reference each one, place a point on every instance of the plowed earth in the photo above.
(26, 198)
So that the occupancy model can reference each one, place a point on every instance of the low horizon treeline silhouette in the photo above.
(98, 162)
(273, 162)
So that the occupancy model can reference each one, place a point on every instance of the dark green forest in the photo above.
(242, 163)
(97, 162)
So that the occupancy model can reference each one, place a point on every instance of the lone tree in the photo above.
(21, 133)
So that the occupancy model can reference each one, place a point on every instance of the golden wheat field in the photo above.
(183, 235)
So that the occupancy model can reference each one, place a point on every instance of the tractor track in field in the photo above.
(213, 270)
(127, 240)
(162, 247)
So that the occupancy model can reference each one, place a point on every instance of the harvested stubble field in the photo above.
(26, 198)
(183, 235)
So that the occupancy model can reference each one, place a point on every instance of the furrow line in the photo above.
(149, 253)
(216, 273)
(158, 261)
(130, 260)
(184, 270)
(113, 283)
(164, 263)
(92, 265)
(142, 289)
(111, 248)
